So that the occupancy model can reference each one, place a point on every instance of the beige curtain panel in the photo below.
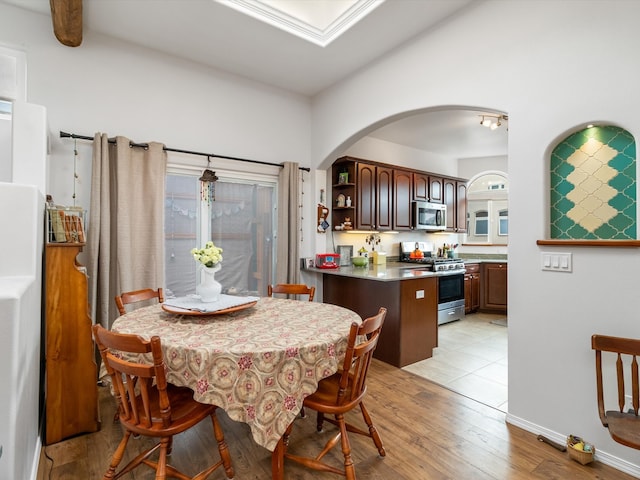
(126, 221)
(287, 269)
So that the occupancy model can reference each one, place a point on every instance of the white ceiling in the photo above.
(284, 49)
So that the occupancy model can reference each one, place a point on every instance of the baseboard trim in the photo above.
(603, 457)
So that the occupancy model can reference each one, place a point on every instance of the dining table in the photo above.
(257, 361)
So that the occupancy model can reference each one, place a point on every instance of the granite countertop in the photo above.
(391, 271)
(485, 260)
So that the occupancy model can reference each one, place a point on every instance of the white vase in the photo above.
(209, 288)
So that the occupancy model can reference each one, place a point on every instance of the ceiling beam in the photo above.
(66, 16)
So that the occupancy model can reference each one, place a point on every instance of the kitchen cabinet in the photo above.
(382, 195)
(344, 187)
(493, 287)
(471, 287)
(455, 198)
(436, 189)
(71, 396)
(420, 187)
(410, 331)
(370, 188)
(461, 206)
(402, 194)
(374, 197)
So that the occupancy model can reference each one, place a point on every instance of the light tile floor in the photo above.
(471, 359)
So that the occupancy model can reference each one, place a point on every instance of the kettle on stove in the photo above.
(417, 253)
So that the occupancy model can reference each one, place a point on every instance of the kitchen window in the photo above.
(487, 209)
(240, 218)
(503, 222)
(481, 223)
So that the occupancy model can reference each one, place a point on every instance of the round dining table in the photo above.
(256, 363)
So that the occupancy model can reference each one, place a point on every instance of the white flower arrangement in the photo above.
(209, 256)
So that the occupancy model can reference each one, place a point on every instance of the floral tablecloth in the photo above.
(257, 364)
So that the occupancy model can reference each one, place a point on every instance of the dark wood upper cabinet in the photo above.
(436, 189)
(449, 197)
(420, 187)
(461, 207)
(402, 192)
(366, 204)
(384, 194)
(455, 198)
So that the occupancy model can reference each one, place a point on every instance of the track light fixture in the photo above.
(493, 121)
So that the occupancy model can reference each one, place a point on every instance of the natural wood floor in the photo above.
(429, 432)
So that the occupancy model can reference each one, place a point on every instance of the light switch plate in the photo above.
(556, 261)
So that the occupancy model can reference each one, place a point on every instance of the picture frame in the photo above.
(343, 178)
(345, 252)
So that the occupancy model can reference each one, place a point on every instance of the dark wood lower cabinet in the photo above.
(410, 331)
(494, 288)
(472, 287)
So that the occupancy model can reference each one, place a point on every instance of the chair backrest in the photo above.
(136, 296)
(625, 351)
(363, 339)
(140, 389)
(291, 289)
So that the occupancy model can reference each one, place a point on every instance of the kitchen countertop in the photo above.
(391, 271)
(485, 260)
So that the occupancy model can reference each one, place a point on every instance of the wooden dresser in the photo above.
(71, 405)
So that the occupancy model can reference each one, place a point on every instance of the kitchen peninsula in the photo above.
(410, 295)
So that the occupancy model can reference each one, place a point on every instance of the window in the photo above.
(503, 222)
(487, 210)
(481, 223)
(240, 220)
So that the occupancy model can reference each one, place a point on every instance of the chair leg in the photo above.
(350, 471)
(222, 446)
(319, 421)
(161, 466)
(373, 432)
(117, 456)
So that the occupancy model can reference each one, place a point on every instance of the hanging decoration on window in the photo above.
(75, 169)
(207, 184)
(301, 206)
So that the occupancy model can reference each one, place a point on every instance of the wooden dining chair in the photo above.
(342, 392)
(136, 296)
(291, 289)
(149, 406)
(623, 426)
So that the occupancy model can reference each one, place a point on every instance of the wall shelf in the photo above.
(590, 243)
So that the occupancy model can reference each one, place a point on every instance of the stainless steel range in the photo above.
(450, 280)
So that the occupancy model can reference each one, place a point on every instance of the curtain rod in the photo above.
(167, 149)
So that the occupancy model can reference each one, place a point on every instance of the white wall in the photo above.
(552, 66)
(108, 86)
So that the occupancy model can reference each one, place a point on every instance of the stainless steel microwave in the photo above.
(429, 216)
